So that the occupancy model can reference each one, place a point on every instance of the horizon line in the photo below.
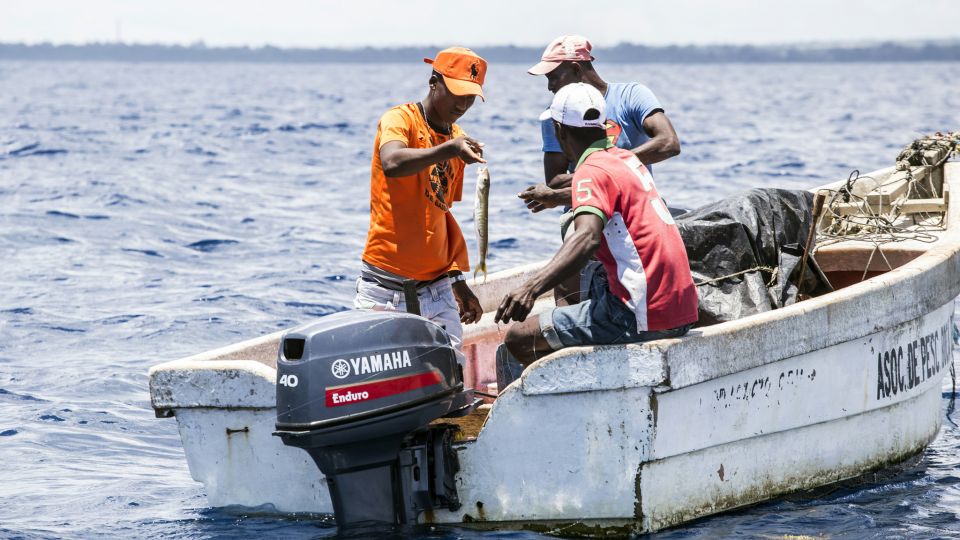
(201, 44)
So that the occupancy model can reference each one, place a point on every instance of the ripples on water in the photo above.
(148, 212)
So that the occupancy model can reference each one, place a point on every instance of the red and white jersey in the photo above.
(642, 251)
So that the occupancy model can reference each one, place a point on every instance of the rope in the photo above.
(768, 269)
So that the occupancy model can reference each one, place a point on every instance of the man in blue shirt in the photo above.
(636, 122)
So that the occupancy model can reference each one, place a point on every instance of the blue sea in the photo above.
(153, 211)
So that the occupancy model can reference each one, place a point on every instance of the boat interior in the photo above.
(873, 224)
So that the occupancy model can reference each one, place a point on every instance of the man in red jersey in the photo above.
(620, 217)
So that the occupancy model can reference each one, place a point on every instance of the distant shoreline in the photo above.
(937, 51)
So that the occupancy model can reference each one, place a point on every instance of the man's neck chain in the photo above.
(443, 130)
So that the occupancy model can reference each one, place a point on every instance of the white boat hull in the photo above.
(643, 452)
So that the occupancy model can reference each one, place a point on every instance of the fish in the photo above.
(481, 210)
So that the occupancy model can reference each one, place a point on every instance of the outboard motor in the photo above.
(357, 391)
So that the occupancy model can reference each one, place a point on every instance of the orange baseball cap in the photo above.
(463, 71)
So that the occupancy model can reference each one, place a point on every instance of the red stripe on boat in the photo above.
(356, 393)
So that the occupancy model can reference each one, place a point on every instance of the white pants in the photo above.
(437, 304)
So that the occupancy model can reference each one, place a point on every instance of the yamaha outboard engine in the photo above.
(357, 390)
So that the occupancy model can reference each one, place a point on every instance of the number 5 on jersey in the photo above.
(583, 192)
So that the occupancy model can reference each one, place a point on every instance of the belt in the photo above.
(396, 285)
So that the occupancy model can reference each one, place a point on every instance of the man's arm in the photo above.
(467, 303)
(555, 164)
(573, 255)
(555, 170)
(663, 143)
(397, 160)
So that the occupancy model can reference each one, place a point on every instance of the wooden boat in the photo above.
(641, 437)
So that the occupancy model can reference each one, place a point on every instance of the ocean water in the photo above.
(149, 212)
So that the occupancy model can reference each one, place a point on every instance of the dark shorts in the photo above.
(601, 319)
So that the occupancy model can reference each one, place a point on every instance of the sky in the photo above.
(359, 23)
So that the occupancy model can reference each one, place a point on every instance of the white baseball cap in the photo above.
(578, 105)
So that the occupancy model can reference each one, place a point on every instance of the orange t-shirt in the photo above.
(412, 232)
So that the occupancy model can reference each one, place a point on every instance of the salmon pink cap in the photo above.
(563, 49)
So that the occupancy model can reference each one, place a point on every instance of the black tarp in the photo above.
(735, 244)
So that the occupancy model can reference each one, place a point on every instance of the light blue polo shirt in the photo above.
(628, 105)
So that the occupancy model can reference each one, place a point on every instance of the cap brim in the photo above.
(543, 68)
(463, 88)
(546, 115)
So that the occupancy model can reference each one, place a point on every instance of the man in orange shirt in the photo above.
(417, 172)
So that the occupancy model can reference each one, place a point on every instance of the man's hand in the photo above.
(539, 197)
(467, 149)
(516, 305)
(469, 306)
